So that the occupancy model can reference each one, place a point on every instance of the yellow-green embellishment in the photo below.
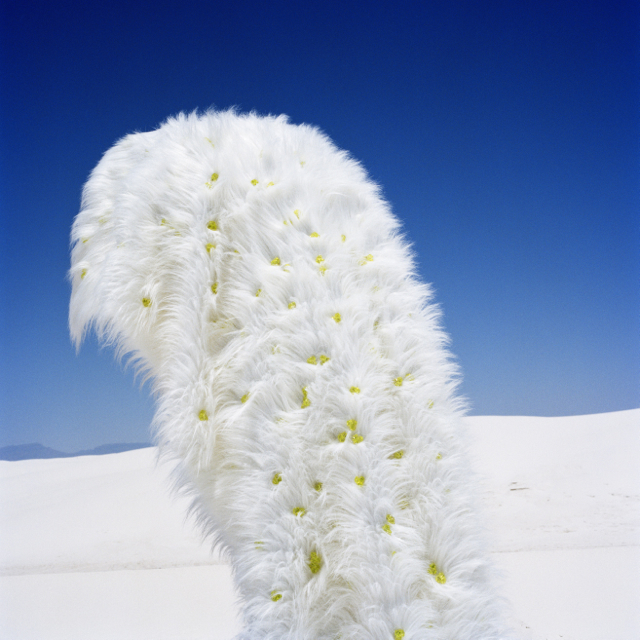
(352, 424)
(430, 405)
(322, 269)
(390, 519)
(343, 237)
(386, 528)
(146, 302)
(433, 569)
(439, 456)
(337, 317)
(85, 240)
(292, 305)
(314, 235)
(244, 398)
(275, 596)
(397, 455)
(342, 436)
(214, 287)
(83, 273)
(324, 359)
(254, 182)
(203, 415)
(258, 544)
(270, 184)
(397, 382)
(319, 259)
(359, 480)
(312, 360)
(354, 389)
(398, 634)
(209, 246)
(277, 479)
(356, 438)
(276, 261)
(441, 578)
(211, 143)
(299, 511)
(315, 562)
(212, 225)
(297, 213)
(318, 486)
(258, 292)
(305, 401)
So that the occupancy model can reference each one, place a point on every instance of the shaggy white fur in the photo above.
(301, 375)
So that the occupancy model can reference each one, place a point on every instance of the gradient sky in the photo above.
(505, 136)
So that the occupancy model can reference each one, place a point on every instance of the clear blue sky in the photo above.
(505, 135)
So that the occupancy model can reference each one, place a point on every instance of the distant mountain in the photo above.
(29, 451)
(37, 451)
(112, 448)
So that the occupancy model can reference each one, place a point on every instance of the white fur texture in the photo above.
(218, 250)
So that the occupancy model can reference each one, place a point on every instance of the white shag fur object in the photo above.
(301, 375)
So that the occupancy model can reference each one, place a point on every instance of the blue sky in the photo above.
(505, 136)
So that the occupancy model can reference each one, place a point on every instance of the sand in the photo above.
(95, 547)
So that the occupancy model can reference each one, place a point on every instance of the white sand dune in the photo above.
(94, 547)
